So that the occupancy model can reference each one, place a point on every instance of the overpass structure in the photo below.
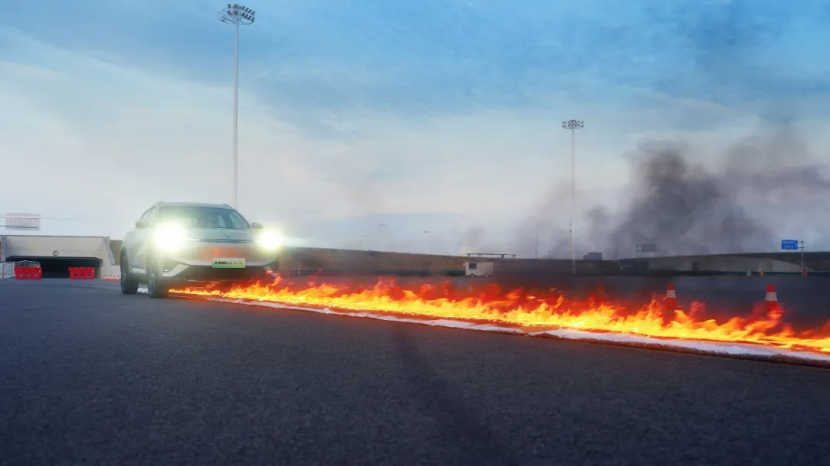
(57, 253)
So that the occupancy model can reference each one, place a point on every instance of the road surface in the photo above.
(90, 376)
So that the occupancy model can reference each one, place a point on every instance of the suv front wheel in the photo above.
(129, 285)
(156, 287)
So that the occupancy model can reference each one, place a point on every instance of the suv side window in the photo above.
(146, 215)
(151, 216)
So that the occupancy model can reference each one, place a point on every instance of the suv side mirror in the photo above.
(256, 226)
(141, 224)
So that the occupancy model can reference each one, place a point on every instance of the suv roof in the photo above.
(192, 204)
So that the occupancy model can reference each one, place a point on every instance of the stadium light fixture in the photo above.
(237, 15)
(573, 125)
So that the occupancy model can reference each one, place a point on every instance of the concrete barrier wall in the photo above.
(723, 263)
(351, 261)
(312, 259)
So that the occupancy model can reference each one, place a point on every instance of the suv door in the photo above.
(134, 242)
(128, 244)
(142, 240)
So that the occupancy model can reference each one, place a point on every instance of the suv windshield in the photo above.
(204, 217)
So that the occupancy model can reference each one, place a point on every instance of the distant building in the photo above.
(478, 268)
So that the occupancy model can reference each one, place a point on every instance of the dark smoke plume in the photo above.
(764, 185)
(685, 209)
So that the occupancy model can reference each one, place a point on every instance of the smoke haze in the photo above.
(762, 185)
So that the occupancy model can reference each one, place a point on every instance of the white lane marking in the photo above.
(716, 348)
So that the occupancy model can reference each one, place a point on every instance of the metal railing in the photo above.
(6, 270)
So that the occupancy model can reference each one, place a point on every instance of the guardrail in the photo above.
(6, 270)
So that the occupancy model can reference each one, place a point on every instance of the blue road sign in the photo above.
(789, 245)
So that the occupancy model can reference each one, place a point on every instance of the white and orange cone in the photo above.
(771, 302)
(671, 298)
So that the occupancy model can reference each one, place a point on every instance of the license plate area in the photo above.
(228, 263)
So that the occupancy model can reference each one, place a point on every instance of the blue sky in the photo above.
(448, 56)
(438, 115)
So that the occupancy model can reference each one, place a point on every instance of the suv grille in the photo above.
(209, 274)
(218, 240)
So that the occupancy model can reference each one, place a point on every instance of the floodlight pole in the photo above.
(573, 125)
(235, 201)
(236, 14)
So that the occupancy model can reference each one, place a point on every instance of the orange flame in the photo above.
(543, 309)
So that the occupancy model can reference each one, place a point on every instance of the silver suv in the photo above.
(189, 244)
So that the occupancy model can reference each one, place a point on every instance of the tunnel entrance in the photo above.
(58, 267)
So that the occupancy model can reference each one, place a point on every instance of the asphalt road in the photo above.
(90, 376)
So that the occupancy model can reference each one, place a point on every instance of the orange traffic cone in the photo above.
(671, 298)
(771, 303)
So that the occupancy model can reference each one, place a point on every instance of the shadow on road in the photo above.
(459, 429)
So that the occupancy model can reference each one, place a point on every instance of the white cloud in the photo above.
(100, 143)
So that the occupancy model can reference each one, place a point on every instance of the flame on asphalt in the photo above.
(536, 309)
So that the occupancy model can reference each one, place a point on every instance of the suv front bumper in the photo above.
(198, 274)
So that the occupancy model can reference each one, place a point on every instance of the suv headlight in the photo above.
(170, 236)
(270, 240)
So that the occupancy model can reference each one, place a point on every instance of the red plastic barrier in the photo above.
(27, 273)
(81, 273)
